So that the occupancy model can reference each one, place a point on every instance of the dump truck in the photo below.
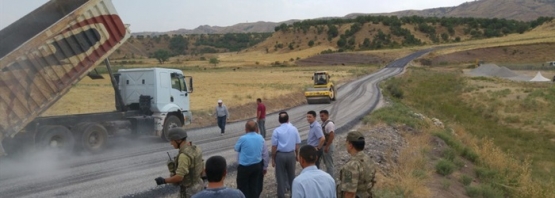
(46, 52)
(322, 91)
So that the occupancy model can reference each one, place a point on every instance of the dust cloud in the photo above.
(37, 163)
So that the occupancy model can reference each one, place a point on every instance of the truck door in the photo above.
(179, 93)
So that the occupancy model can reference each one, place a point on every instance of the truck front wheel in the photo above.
(172, 121)
(55, 138)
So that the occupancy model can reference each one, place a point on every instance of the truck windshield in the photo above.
(178, 83)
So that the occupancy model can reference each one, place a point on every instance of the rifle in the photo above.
(171, 165)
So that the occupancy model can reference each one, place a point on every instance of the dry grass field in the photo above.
(235, 86)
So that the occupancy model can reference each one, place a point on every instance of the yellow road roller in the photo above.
(323, 90)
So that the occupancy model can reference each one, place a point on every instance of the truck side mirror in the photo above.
(191, 84)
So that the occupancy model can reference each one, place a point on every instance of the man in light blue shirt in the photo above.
(285, 144)
(315, 135)
(250, 147)
(312, 182)
(264, 164)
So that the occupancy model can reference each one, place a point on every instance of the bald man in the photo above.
(250, 148)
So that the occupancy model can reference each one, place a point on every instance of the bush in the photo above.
(465, 180)
(470, 155)
(485, 174)
(449, 154)
(445, 167)
(459, 163)
(449, 140)
(484, 191)
(395, 91)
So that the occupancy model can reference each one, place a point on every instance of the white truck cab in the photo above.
(166, 90)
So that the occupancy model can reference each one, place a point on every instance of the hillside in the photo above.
(524, 10)
(381, 32)
(194, 44)
(332, 35)
(255, 27)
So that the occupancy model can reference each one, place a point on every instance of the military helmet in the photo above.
(177, 134)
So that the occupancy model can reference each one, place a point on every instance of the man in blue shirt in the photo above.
(315, 135)
(250, 148)
(285, 144)
(312, 182)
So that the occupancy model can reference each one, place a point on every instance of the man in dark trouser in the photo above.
(261, 117)
(315, 135)
(222, 115)
(285, 144)
(328, 126)
(250, 147)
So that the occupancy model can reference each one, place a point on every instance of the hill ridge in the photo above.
(524, 10)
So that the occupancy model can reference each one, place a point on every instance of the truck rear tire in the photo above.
(172, 121)
(93, 136)
(56, 138)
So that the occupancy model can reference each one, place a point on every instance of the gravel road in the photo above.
(128, 167)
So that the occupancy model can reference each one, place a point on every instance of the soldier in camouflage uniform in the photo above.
(189, 163)
(357, 175)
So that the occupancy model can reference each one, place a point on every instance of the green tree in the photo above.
(342, 42)
(445, 37)
(282, 27)
(366, 43)
(310, 43)
(161, 55)
(332, 32)
(178, 44)
(214, 61)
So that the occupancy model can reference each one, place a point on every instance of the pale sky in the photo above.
(166, 15)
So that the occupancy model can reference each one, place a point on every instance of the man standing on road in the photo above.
(312, 182)
(250, 148)
(261, 117)
(329, 133)
(357, 176)
(285, 144)
(189, 164)
(315, 135)
(222, 115)
(216, 171)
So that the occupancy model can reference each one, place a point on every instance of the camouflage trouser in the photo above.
(188, 192)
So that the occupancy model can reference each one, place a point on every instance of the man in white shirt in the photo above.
(222, 115)
(312, 182)
(329, 133)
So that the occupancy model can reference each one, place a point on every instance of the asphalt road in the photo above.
(129, 166)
